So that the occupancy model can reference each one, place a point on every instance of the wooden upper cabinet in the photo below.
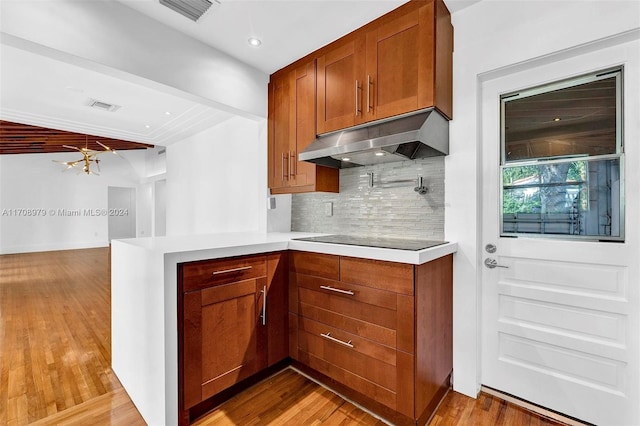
(279, 137)
(302, 130)
(292, 127)
(398, 67)
(340, 86)
(399, 63)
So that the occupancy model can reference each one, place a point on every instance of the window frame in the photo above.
(618, 72)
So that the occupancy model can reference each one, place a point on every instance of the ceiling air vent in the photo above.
(192, 9)
(103, 106)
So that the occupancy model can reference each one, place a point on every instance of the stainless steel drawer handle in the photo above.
(333, 339)
(264, 305)
(337, 290)
(228, 271)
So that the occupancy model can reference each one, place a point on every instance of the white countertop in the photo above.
(144, 301)
(213, 246)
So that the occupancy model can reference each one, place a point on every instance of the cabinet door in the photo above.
(292, 116)
(339, 92)
(400, 65)
(279, 133)
(277, 315)
(224, 339)
(302, 113)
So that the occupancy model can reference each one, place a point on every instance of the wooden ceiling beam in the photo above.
(17, 138)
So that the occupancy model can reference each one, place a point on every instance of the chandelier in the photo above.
(88, 156)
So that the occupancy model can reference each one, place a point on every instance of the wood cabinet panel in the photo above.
(396, 76)
(277, 316)
(401, 360)
(360, 345)
(391, 276)
(230, 347)
(444, 60)
(279, 128)
(399, 63)
(316, 264)
(369, 313)
(396, 64)
(434, 325)
(340, 85)
(191, 364)
(347, 378)
(225, 333)
(373, 332)
(293, 336)
(291, 127)
(405, 393)
(302, 109)
(406, 334)
(222, 339)
(358, 293)
(198, 275)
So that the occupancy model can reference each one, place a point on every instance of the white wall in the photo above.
(33, 182)
(216, 180)
(160, 208)
(494, 37)
(109, 37)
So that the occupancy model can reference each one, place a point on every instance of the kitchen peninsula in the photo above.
(145, 301)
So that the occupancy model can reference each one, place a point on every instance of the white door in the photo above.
(559, 325)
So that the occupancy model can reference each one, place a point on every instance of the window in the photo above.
(562, 161)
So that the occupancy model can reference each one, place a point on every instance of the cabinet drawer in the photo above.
(197, 275)
(348, 352)
(350, 344)
(391, 276)
(316, 264)
(358, 293)
(374, 332)
(380, 316)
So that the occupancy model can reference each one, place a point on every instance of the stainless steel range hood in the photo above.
(416, 135)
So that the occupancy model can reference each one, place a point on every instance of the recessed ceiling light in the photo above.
(147, 126)
(346, 159)
(557, 119)
(379, 154)
(167, 113)
(254, 42)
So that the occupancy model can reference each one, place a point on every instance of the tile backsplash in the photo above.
(389, 209)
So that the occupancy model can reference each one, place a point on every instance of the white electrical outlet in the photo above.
(328, 208)
(271, 203)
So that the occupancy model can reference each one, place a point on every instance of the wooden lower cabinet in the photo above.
(379, 332)
(228, 331)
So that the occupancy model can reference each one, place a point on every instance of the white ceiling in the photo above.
(288, 29)
(38, 90)
(42, 91)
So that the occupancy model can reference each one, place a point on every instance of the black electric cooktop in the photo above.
(389, 243)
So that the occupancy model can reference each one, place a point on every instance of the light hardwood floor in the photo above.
(55, 356)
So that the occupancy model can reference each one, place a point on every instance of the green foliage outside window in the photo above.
(531, 189)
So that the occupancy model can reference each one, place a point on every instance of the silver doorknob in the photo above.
(492, 263)
(490, 248)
